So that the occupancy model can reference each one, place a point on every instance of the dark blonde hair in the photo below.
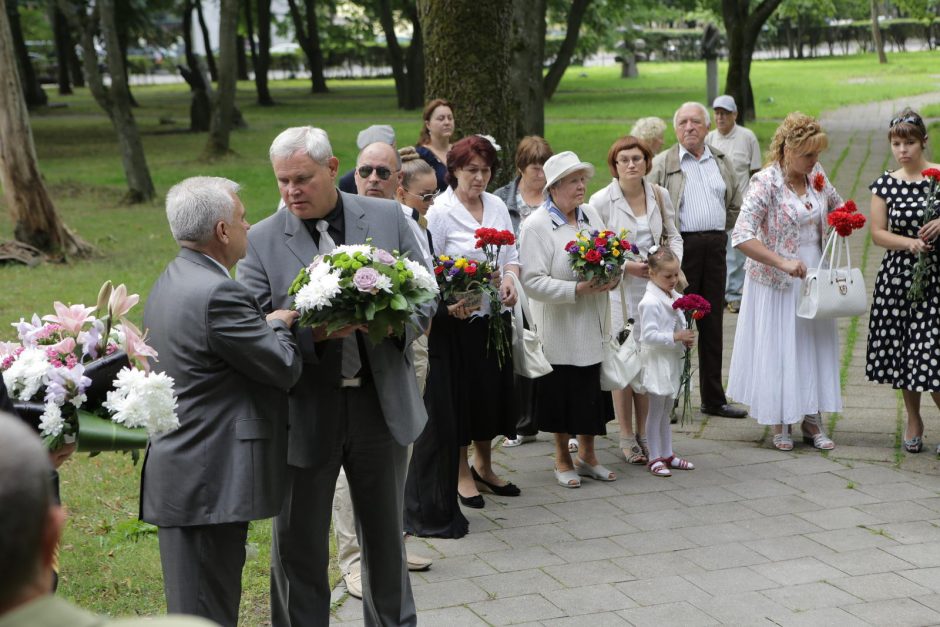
(425, 137)
(532, 149)
(800, 133)
(660, 256)
(908, 125)
(412, 165)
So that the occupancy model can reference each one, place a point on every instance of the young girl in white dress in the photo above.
(663, 339)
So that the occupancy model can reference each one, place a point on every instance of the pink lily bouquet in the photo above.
(362, 284)
(87, 378)
(693, 307)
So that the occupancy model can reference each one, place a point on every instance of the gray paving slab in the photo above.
(753, 536)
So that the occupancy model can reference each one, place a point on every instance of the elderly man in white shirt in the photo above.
(704, 189)
(741, 145)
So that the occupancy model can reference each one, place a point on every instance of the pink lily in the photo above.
(70, 318)
(120, 302)
(65, 346)
(136, 348)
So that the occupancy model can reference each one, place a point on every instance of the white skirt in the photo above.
(783, 366)
(662, 369)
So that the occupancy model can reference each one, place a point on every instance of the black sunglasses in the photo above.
(906, 120)
(365, 171)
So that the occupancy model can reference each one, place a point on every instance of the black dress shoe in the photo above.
(726, 410)
(510, 489)
(476, 502)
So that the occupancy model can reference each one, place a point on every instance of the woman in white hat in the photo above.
(571, 316)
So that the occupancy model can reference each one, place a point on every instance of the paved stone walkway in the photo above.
(752, 536)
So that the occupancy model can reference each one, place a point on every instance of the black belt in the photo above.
(700, 233)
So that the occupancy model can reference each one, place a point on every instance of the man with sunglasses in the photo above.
(378, 174)
(376, 133)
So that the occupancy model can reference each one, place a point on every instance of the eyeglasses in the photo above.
(634, 159)
(365, 171)
(425, 197)
(910, 119)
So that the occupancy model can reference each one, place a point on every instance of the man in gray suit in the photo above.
(356, 405)
(227, 463)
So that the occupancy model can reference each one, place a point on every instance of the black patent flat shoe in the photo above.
(510, 489)
(476, 502)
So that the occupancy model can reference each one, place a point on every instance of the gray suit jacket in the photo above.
(278, 247)
(228, 460)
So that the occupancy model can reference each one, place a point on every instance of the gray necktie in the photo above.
(351, 363)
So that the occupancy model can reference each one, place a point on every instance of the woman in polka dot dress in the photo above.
(904, 336)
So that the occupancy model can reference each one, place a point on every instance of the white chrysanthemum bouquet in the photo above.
(362, 284)
(84, 377)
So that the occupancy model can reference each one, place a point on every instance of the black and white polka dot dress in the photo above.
(904, 337)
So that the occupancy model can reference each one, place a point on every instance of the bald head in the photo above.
(376, 161)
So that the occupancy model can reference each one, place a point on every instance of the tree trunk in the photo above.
(223, 100)
(75, 64)
(122, 41)
(561, 62)
(199, 106)
(264, 53)
(34, 216)
(876, 33)
(207, 43)
(396, 57)
(113, 100)
(467, 44)
(241, 60)
(32, 90)
(414, 60)
(308, 36)
(528, 52)
(743, 27)
(60, 32)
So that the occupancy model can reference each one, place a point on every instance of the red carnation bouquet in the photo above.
(923, 264)
(498, 335)
(845, 219)
(599, 256)
(693, 307)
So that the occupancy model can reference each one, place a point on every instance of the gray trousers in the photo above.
(375, 466)
(202, 570)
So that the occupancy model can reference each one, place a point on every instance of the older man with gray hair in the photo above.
(227, 463)
(703, 188)
(31, 524)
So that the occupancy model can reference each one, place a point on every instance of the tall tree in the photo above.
(35, 219)
(876, 33)
(743, 26)
(263, 60)
(467, 45)
(563, 58)
(114, 99)
(200, 108)
(206, 42)
(223, 100)
(32, 90)
(527, 44)
(63, 41)
(414, 57)
(308, 36)
(409, 78)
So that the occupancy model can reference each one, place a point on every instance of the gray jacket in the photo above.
(278, 247)
(668, 173)
(228, 460)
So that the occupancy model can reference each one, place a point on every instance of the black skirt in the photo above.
(569, 400)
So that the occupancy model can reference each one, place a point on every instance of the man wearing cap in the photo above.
(740, 144)
(377, 175)
(377, 133)
(702, 186)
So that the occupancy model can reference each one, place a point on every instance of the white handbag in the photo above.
(528, 357)
(621, 364)
(834, 292)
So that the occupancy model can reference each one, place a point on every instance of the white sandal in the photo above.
(572, 445)
(594, 472)
(567, 478)
(819, 439)
(782, 440)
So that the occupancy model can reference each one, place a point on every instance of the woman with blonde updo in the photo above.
(786, 368)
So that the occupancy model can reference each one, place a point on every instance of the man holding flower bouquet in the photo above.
(357, 403)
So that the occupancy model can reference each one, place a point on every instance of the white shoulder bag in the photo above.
(621, 364)
(834, 292)
(528, 358)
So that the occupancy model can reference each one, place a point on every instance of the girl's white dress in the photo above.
(660, 354)
(783, 366)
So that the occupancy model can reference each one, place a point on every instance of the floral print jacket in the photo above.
(768, 214)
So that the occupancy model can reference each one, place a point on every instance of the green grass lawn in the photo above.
(104, 567)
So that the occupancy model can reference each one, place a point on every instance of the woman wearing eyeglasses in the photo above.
(904, 333)
(646, 212)
(434, 141)
(469, 397)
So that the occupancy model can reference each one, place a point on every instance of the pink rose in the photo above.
(366, 279)
(383, 256)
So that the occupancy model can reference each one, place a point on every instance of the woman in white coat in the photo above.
(646, 212)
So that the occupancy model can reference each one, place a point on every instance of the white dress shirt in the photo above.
(702, 207)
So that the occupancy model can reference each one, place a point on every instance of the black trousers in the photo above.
(703, 261)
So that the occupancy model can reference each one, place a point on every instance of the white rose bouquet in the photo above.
(88, 377)
(362, 284)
